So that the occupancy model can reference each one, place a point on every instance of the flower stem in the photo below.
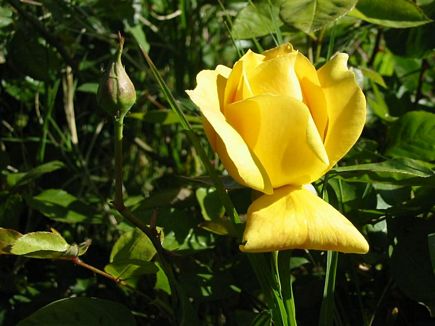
(119, 126)
(328, 303)
(284, 258)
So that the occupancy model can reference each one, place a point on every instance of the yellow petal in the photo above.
(283, 49)
(237, 87)
(293, 218)
(345, 104)
(281, 133)
(275, 77)
(312, 93)
(237, 158)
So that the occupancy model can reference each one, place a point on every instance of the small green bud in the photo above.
(116, 93)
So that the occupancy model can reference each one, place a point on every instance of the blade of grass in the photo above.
(51, 93)
(328, 304)
(229, 25)
(268, 279)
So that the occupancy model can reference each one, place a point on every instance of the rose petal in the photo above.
(312, 93)
(283, 49)
(345, 104)
(295, 218)
(237, 87)
(240, 162)
(282, 134)
(275, 76)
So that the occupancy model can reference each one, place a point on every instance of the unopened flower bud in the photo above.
(116, 93)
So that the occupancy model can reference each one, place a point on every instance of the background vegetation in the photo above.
(56, 162)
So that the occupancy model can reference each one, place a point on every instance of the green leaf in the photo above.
(79, 312)
(40, 245)
(5, 17)
(61, 206)
(256, 20)
(390, 13)
(132, 245)
(23, 178)
(138, 34)
(130, 257)
(220, 227)
(130, 270)
(162, 282)
(165, 117)
(413, 135)
(377, 104)
(395, 171)
(211, 206)
(312, 15)
(374, 76)
(88, 88)
(7, 239)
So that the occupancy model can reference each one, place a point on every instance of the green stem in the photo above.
(119, 126)
(269, 282)
(284, 258)
(328, 303)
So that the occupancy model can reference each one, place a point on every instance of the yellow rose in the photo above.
(278, 124)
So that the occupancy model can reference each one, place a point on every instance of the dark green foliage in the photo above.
(57, 164)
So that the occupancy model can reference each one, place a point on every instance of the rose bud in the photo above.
(116, 93)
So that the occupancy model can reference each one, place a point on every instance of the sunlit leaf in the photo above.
(22, 178)
(59, 205)
(130, 270)
(5, 16)
(374, 76)
(162, 282)
(220, 227)
(88, 88)
(257, 19)
(209, 201)
(132, 245)
(137, 32)
(7, 239)
(312, 15)
(390, 13)
(395, 171)
(165, 117)
(40, 245)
